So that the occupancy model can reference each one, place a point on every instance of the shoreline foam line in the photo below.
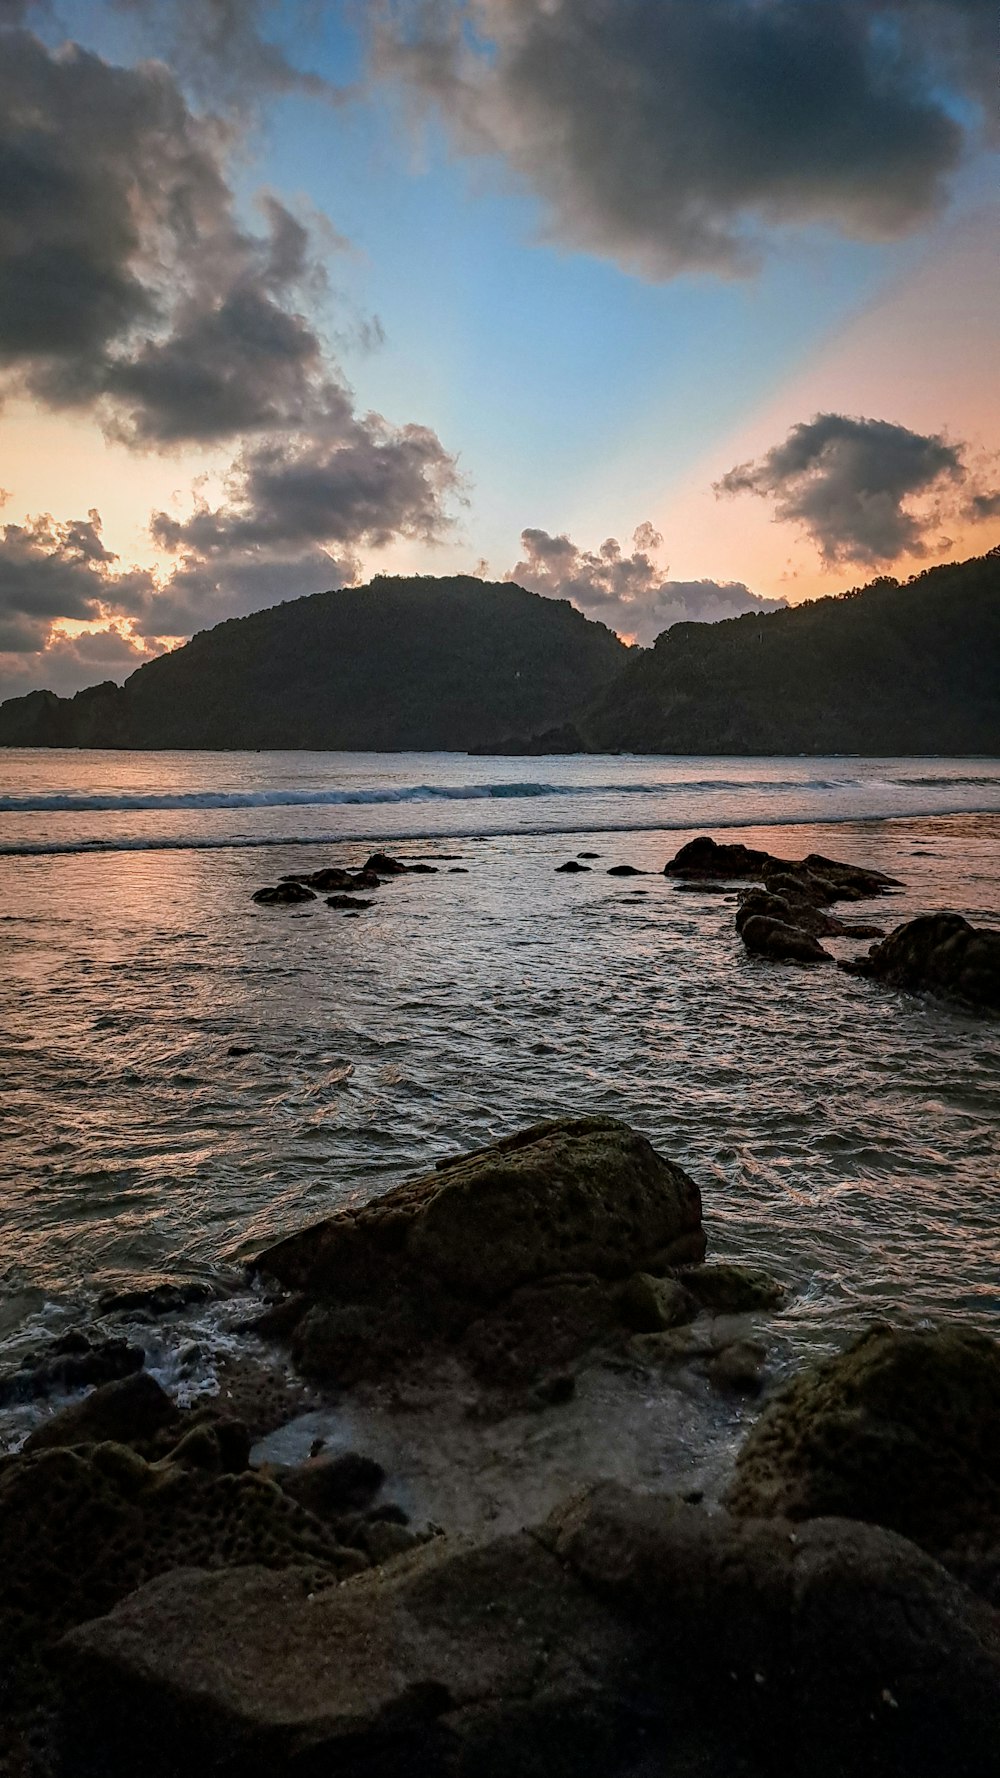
(248, 842)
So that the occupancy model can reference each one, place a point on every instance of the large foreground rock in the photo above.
(941, 953)
(627, 1626)
(81, 1528)
(902, 1429)
(536, 1232)
(584, 1194)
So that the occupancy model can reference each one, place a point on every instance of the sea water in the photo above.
(188, 1074)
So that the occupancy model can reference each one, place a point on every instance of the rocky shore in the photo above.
(514, 1566)
(176, 1602)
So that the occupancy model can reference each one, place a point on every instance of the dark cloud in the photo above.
(51, 570)
(846, 481)
(221, 50)
(363, 486)
(127, 282)
(984, 506)
(671, 135)
(629, 593)
(295, 515)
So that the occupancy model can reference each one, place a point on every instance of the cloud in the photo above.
(674, 135)
(69, 663)
(131, 289)
(127, 282)
(220, 49)
(129, 285)
(629, 593)
(846, 481)
(295, 514)
(53, 570)
(984, 506)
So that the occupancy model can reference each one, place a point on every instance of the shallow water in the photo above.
(843, 1135)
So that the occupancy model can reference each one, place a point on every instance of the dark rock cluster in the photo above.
(167, 1609)
(785, 912)
(340, 886)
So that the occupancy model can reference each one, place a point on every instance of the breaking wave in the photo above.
(111, 802)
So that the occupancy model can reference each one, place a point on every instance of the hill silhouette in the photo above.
(889, 668)
(459, 664)
(422, 663)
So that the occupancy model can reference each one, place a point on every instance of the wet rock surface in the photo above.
(731, 1289)
(940, 953)
(75, 1362)
(517, 1250)
(626, 1627)
(824, 878)
(283, 895)
(131, 1411)
(765, 936)
(902, 1429)
(801, 911)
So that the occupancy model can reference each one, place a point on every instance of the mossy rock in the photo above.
(728, 1289)
(901, 1430)
(576, 1195)
(81, 1529)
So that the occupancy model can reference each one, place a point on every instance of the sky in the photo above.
(674, 308)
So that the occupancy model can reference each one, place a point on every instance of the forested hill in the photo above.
(421, 663)
(889, 668)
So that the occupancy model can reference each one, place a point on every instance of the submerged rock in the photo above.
(158, 1295)
(652, 1305)
(572, 867)
(768, 937)
(333, 878)
(707, 857)
(941, 953)
(902, 1429)
(348, 902)
(630, 1634)
(800, 911)
(382, 865)
(627, 870)
(283, 895)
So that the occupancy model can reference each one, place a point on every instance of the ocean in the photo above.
(188, 1074)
